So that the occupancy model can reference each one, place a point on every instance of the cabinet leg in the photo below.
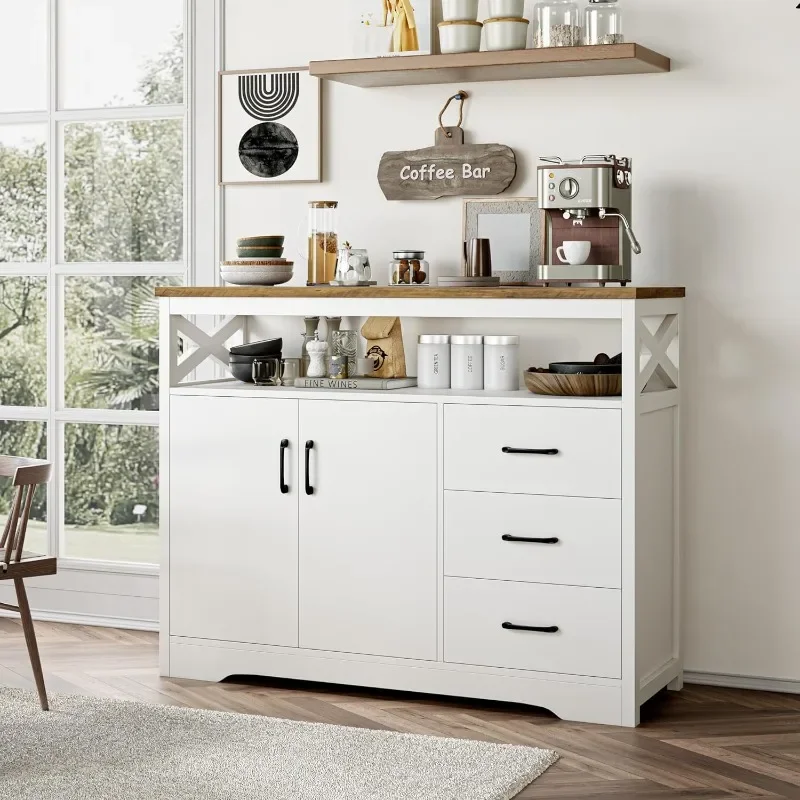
(676, 685)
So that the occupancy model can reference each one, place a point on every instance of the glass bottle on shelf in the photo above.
(557, 23)
(312, 324)
(323, 241)
(602, 23)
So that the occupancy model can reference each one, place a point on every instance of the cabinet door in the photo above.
(233, 533)
(368, 531)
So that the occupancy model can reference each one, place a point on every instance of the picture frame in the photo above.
(515, 226)
(380, 28)
(269, 127)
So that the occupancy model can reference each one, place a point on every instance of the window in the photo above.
(92, 218)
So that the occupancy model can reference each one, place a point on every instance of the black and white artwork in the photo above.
(270, 127)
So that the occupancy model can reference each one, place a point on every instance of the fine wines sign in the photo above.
(447, 170)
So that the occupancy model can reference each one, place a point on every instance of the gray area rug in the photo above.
(90, 749)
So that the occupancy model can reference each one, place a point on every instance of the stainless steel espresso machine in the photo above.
(587, 201)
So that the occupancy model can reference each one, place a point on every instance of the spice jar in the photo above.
(557, 23)
(602, 23)
(337, 368)
(466, 362)
(409, 268)
(433, 362)
(501, 363)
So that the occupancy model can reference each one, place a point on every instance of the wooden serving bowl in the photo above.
(551, 383)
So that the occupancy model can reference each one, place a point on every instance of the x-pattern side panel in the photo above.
(659, 364)
(208, 345)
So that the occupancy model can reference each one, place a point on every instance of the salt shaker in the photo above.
(317, 353)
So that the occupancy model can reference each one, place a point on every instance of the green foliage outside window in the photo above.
(123, 203)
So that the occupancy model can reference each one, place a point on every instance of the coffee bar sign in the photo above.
(448, 169)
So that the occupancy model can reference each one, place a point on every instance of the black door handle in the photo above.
(507, 537)
(510, 626)
(516, 451)
(284, 448)
(309, 448)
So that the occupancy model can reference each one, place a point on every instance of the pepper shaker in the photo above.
(317, 351)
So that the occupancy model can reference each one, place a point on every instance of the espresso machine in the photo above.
(586, 200)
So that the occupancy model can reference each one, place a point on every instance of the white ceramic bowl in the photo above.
(506, 8)
(506, 33)
(461, 9)
(463, 36)
(256, 277)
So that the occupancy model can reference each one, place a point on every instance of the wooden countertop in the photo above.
(432, 292)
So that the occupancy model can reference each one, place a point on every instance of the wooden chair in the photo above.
(15, 563)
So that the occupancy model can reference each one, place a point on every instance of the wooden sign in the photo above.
(449, 169)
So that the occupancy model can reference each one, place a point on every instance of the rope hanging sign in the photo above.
(450, 168)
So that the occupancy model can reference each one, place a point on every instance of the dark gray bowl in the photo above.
(267, 347)
(242, 372)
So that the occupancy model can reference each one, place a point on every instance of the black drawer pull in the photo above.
(510, 626)
(516, 451)
(309, 448)
(507, 537)
(284, 448)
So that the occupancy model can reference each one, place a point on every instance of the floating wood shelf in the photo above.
(510, 65)
(431, 292)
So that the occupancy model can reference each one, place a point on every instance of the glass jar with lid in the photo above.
(602, 22)
(323, 241)
(409, 268)
(557, 23)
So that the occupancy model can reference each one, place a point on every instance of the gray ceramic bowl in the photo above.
(260, 253)
(261, 241)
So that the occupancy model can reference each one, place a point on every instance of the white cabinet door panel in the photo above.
(233, 533)
(368, 532)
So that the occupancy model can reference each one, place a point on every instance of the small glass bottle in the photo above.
(602, 23)
(557, 23)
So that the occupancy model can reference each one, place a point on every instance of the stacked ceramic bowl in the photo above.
(260, 263)
(505, 29)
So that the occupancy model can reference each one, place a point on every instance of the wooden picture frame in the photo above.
(269, 107)
(512, 240)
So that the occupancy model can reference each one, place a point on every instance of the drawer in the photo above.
(588, 441)
(587, 642)
(587, 550)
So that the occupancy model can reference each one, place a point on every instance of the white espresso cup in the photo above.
(574, 252)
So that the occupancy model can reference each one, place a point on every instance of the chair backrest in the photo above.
(27, 474)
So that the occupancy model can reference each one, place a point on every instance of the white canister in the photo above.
(506, 8)
(501, 363)
(433, 362)
(506, 33)
(466, 361)
(462, 9)
(463, 36)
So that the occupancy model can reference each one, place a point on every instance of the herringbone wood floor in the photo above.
(699, 744)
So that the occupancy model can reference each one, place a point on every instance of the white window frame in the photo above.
(56, 270)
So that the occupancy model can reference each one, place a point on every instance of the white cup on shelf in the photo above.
(460, 36)
(457, 10)
(506, 8)
(574, 253)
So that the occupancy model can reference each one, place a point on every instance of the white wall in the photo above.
(717, 197)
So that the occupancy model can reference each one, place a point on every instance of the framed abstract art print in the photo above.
(270, 127)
